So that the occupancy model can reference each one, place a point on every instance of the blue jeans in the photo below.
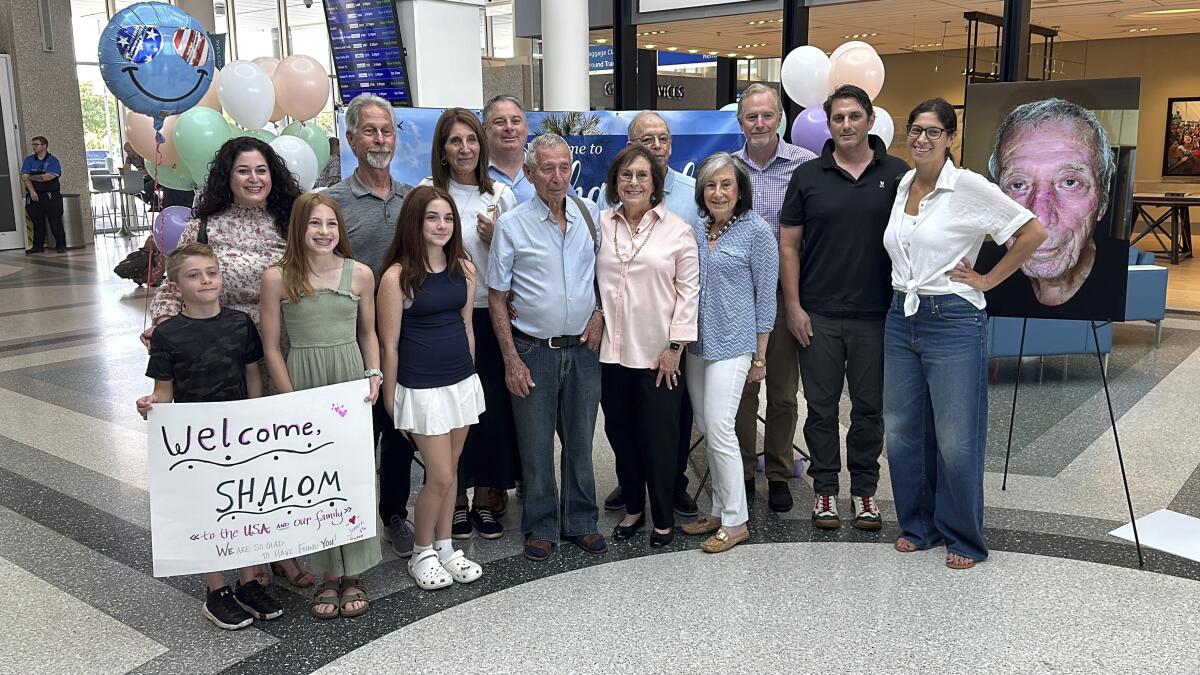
(565, 400)
(935, 420)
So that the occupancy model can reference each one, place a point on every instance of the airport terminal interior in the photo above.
(1079, 434)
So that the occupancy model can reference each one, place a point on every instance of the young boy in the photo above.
(208, 354)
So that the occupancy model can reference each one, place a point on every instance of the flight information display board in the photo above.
(368, 55)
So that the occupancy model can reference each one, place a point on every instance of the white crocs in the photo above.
(427, 572)
(464, 571)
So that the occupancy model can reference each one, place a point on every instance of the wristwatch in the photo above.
(758, 363)
(675, 347)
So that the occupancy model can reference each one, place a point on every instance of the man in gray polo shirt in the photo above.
(370, 201)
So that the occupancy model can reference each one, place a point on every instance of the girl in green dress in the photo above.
(326, 303)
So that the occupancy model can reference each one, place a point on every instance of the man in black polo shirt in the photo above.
(39, 174)
(837, 295)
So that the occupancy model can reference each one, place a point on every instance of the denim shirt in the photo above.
(738, 278)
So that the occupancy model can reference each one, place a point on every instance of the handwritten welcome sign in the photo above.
(249, 482)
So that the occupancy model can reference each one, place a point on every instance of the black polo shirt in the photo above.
(844, 269)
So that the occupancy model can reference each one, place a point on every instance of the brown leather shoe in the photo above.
(722, 541)
(538, 550)
(706, 525)
(592, 542)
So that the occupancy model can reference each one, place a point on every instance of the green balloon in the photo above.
(315, 137)
(199, 133)
(261, 134)
(170, 176)
(292, 129)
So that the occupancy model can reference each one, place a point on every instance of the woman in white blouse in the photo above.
(935, 339)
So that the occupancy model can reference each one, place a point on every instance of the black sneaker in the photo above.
(484, 520)
(685, 506)
(779, 497)
(34, 250)
(749, 491)
(223, 610)
(254, 598)
(461, 528)
(615, 501)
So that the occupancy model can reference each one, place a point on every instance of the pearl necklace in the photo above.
(714, 237)
(633, 240)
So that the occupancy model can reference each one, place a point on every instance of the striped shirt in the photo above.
(770, 181)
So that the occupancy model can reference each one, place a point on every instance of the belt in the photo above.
(556, 342)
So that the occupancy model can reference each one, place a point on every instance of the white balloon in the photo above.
(246, 93)
(849, 45)
(299, 158)
(729, 106)
(884, 127)
(805, 76)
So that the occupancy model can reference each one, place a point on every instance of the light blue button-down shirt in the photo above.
(551, 274)
(679, 196)
(738, 277)
(520, 185)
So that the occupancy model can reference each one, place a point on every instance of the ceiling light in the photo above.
(856, 36)
(712, 53)
(693, 51)
(1142, 30)
(731, 54)
(651, 46)
(671, 49)
(749, 56)
(601, 41)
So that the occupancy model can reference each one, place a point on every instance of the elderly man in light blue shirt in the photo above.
(544, 255)
(649, 129)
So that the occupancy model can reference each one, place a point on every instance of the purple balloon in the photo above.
(168, 225)
(811, 130)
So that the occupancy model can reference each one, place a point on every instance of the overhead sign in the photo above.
(663, 5)
(368, 55)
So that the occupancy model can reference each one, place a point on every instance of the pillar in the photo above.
(1014, 41)
(565, 55)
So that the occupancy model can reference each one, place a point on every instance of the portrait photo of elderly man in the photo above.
(1053, 157)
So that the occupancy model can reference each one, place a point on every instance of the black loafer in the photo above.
(684, 505)
(779, 496)
(749, 491)
(623, 532)
(659, 540)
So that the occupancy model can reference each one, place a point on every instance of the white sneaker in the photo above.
(866, 513)
(825, 515)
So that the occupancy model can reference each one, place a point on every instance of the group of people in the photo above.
(493, 309)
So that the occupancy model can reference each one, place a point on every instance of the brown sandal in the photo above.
(952, 564)
(907, 547)
(353, 591)
(321, 598)
(303, 578)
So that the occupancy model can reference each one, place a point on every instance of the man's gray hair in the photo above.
(642, 117)
(543, 141)
(1052, 110)
(354, 110)
(502, 98)
(759, 88)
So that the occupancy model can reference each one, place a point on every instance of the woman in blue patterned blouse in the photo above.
(739, 271)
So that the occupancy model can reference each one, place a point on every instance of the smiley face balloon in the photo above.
(156, 59)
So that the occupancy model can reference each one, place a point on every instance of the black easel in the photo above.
(1111, 418)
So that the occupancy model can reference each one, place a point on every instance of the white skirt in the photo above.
(431, 412)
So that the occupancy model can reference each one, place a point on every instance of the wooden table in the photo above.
(1178, 231)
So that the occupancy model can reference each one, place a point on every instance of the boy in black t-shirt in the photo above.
(209, 354)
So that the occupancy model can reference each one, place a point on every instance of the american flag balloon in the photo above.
(191, 45)
(139, 44)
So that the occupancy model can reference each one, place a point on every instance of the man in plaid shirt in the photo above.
(770, 161)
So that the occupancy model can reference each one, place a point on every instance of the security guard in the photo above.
(39, 174)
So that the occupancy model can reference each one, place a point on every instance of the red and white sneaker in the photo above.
(825, 515)
(866, 513)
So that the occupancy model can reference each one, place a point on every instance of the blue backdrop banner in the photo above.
(595, 138)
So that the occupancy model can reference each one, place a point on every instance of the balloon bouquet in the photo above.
(157, 60)
(808, 76)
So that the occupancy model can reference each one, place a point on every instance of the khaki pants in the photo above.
(783, 381)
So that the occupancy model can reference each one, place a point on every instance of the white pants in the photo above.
(715, 388)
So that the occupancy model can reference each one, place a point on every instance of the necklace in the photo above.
(632, 240)
(714, 237)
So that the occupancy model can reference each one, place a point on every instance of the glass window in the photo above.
(257, 26)
(308, 35)
(101, 121)
(88, 19)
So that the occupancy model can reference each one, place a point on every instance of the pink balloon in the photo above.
(860, 66)
(139, 131)
(301, 86)
(211, 100)
(269, 64)
(168, 225)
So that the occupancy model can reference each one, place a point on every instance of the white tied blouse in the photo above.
(950, 225)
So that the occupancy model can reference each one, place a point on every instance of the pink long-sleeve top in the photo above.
(649, 285)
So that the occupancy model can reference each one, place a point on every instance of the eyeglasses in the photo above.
(631, 177)
(662, 139)
(932, 133)
(37, 143)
